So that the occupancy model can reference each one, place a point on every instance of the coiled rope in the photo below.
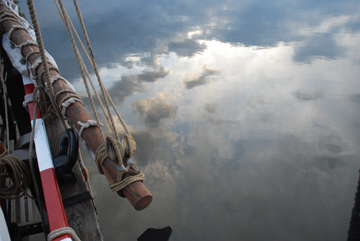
(11, 164)
(12, 167)
(61, 231)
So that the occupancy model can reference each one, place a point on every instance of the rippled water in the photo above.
(246, 113)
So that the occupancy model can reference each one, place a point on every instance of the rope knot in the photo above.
(118, 152)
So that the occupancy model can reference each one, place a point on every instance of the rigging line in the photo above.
(6, 110)
(44, 60)
(102, 87)
(87, 73)
(84, 66)
(77, 55)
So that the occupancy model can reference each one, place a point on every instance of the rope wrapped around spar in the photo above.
(120, 153)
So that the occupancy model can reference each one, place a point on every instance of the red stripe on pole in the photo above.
(54, 206)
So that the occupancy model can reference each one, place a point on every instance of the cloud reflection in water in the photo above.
(267, 150)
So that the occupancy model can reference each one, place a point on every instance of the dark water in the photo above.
(246, 113)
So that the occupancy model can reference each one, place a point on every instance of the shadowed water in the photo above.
(245, 113)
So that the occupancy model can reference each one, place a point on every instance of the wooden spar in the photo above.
(136, 193)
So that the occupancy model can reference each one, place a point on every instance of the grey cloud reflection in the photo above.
(211, 107)
(318, 46)
(203, 79)
(130, 84)
(255, 186)
(154, 110)
(355, 98)
(153, 76)
(307, 96)
(124, 29)
(186, 48)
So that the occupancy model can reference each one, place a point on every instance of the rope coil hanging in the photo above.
(10, 165)
(15, 169)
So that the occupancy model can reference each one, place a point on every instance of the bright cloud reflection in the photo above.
(245, 113)
(243, 127)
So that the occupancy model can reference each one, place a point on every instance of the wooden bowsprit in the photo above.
(54, 206)
(136, 192)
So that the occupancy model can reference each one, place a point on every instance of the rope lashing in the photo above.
(11, 16)
(101, 153)
(66, 20)
(13, 28)
(42, 72)
(131, 149)
(27, 61)
(61, 231)
(26, 43)
(131, 168)
(35, 65)
(64, 91)
(85, 125)
(121, 184)
(55, 78)
(8, 13)
(12, 167)
(50, 89)
(67, 101)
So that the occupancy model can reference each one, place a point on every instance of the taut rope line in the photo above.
(101, 153)
(44, 60)
(88, 75)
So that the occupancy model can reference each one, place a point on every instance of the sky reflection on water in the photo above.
(246, 114)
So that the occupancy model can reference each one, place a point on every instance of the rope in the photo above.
(42, 71)
(78, 57)
(67, 101)
(44, 59)
(26, 43)
(8, 13)
(61, 231)
(88, 75)
(101, 152)
(86, 125)
(102, 87)
(27, 62)
(119, 185)
(121, 181)
(12, 167)
(55, 78)
(10, 163)
(13, 28)
(64, 91)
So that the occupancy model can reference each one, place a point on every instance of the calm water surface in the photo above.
(246, 113)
